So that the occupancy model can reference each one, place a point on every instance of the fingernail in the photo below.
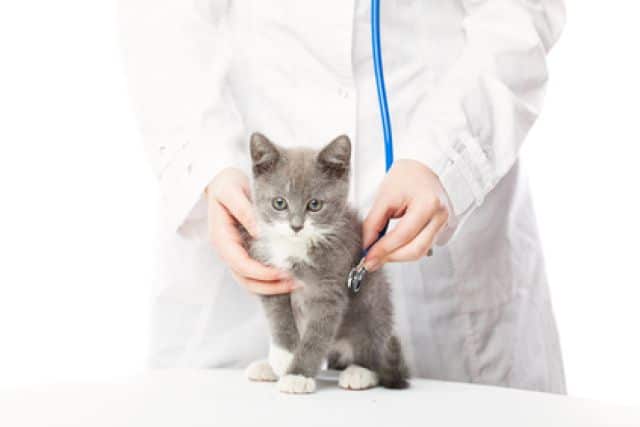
(372, 264)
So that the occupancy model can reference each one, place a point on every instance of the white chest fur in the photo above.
(284, 251)
(283, 247)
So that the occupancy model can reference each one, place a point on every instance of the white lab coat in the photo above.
(465, 80)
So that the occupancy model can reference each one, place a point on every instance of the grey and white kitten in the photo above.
(307, 229)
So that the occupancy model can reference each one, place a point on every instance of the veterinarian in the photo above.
(466, 81)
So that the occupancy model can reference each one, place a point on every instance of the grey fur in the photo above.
(311, 320)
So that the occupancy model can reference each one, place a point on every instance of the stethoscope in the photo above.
(357, 273)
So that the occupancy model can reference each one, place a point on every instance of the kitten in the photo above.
(307, 229)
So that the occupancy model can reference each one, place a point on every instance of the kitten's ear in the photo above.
(334, 159)
(264, 154)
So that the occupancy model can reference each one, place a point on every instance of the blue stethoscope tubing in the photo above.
(380, 85)
(382, 97)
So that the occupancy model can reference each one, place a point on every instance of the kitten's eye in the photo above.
(279, 204)
(314, 205)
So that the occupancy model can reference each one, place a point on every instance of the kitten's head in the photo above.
(300, 192)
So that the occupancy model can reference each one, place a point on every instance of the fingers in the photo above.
(412, 222)
(421, 245)
(240, 262)
(384, 208)
(227, 241)
(238, 204)
(266, 287)
(229, 204)
(410, 239)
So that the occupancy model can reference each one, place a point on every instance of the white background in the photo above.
(77, 198)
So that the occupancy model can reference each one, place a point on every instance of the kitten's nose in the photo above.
(296, 227)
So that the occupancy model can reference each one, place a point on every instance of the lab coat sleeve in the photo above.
(469, 129)
(177, 55)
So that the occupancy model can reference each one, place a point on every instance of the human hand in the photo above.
(229, 204)
(413, 193)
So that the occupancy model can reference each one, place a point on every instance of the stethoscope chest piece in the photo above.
(356, 276)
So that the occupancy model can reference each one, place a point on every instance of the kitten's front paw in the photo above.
(260, 370)
(296, 384)
(279, 358)
(357, 378)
